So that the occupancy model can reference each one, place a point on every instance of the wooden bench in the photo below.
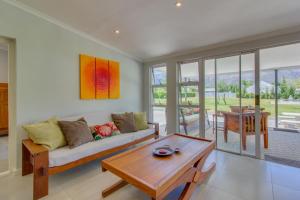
(232, 123)
(35, 159)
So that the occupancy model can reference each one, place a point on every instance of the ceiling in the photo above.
(152, 28)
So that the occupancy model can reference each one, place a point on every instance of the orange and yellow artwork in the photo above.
(87, 77)
(99, 78)
(102, 78)
(114, 81)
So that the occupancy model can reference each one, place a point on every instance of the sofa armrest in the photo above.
(34, 149)
(156, 127)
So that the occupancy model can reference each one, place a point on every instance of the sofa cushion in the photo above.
(140, 119)
(105, 130)
(124, 122)
(46, 133)
(76, 132)
(66, 155)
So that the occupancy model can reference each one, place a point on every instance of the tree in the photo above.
(223, 87)
(292, 91)
(160, 93)
(284, 89)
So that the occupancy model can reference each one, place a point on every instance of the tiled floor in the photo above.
(235, 178)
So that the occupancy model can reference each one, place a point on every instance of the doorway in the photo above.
(4, 125)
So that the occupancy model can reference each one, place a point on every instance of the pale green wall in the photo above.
(47, 70)
(3, 66)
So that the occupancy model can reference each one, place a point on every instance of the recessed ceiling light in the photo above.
(117, 31)
(178, 4)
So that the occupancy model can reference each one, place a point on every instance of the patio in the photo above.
(283, 145)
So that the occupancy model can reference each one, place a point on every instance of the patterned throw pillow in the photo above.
(106, 130)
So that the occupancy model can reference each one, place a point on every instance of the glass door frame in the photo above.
(200, 91)
(256, 103)
(151, 93)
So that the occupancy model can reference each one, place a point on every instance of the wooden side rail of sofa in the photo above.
(35, 159)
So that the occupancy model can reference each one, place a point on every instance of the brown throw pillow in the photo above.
(76, 132)
(124, 122)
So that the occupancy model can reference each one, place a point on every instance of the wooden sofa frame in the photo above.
(35, 159)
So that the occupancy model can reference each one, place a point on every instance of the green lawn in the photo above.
(267, 104)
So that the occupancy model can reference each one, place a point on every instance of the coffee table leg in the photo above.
(113, 188)
(198, 178)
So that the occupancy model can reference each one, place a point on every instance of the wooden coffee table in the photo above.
(158, 176)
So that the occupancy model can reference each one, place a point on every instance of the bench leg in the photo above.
(26, 164)
(266, 142)
(225, 134)
(40, 177)
(244, 141)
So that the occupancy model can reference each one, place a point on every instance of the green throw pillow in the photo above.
(46, 133)
(140, 119)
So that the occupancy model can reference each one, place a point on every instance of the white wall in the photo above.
(3, 66)
(47, 71)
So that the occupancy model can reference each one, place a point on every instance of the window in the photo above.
(188, 98)
(159, 95)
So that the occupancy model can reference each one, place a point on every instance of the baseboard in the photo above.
(14, 172)
(6, 173)
(283, 161)
(286, 130)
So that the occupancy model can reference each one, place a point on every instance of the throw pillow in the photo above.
(46, 133)
(124, 122)
(76, 132)
(106, 130)
(140, 119)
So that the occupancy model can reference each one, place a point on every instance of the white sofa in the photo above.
(64, 155)
(38, 160)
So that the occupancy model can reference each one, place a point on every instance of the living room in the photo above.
(94, 87)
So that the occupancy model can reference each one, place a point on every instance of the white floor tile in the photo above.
(283, 193)
(235, 178)
(286, 176)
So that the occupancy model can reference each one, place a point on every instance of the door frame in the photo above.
(258, 152)
(12, 108)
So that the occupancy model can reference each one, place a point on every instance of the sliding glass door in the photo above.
(159, 96)
(210, 99)
(280, 72)
(228, 112)
(188, 98)
(251, 101)
(230, 103)
(280, 96)
(247, 97)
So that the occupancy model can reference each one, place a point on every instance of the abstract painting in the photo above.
(87, 77)
(114, 81)
(102, 78)
(99, 78)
